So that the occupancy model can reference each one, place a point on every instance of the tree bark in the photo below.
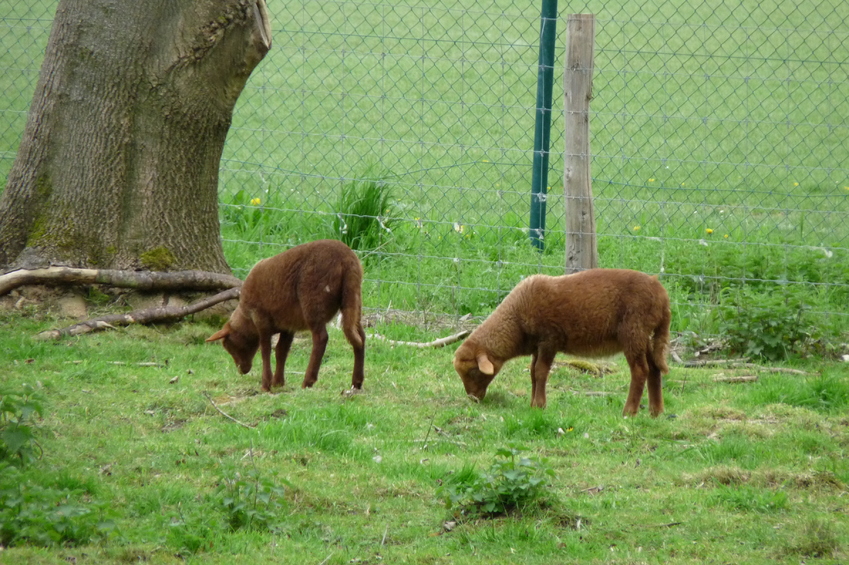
(118, 166)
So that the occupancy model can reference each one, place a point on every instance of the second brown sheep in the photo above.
(594, 313)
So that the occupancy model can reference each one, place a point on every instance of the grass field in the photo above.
(721, 160)
(136, 458)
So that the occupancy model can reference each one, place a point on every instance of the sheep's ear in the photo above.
(485, 365)
(220, 334)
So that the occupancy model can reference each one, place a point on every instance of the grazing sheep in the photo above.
(299, 289)
(593, 313)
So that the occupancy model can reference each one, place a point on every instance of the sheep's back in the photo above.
(300, 287)
(588, 313)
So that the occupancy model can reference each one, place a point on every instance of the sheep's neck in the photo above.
(504, 338)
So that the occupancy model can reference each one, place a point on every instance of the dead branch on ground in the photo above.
(742, 364)
(146, 316)
(441, 342)
(735, 379)
(226, 415)
(715, 362)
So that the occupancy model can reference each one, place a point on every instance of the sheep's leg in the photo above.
(655, 389)
(319, 344)
(357, 338)
(639, 371)
(540, 368)
(281, 352)
(533, 377)
(265, 351)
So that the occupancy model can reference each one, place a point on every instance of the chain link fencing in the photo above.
(719, 141)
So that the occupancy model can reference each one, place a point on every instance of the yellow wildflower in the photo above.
(636, 228)
(708, 231)
(256, 202)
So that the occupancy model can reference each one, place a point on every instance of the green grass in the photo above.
(743, 473)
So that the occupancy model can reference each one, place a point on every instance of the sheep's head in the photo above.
(475, 368)
(238, 341)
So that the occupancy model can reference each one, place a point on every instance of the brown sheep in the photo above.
(299, 289)
(594, 313)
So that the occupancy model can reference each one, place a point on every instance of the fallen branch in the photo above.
(142, 364)
(146, 316)
(771, 369)
(740, 379)
(138, 280)
(225, 414)
(743, 364)
(441, 342)
(714, 362)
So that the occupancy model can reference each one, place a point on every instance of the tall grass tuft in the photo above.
(818, 539)
(825, 394)
(362, 212)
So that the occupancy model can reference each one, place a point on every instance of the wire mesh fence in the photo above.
(720, 149)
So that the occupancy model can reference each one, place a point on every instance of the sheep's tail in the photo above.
(352, 306)
(660, 340)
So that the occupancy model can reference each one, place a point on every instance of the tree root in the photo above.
(138, 280)
(146, 316)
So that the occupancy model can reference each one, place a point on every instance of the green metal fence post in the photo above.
(542, 130)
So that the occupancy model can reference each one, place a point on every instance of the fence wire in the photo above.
(720, 147)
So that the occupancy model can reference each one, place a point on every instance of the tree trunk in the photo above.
(118, 166)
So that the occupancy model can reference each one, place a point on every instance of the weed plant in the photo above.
(47, 515)
(251, 501)
(19, 410)
(512, 484)
(363, 212)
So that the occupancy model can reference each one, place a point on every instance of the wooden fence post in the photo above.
(581, 249)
